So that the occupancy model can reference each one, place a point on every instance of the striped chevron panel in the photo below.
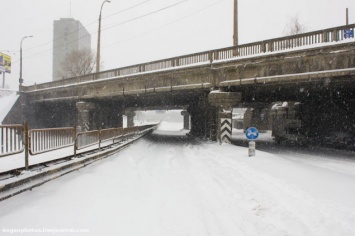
(226, 130)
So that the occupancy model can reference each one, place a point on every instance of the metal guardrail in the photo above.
(16, 139)
(111, 134)
(272, 45)
(11, 139)
(87, 139)
(90, 138)
(130, 131)
(45, 140)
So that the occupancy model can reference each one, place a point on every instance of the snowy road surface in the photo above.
(191, 188)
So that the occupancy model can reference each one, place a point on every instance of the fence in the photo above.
(273, 45)
(111, 134)
(11, 139)
(45, 140)
(15, 139)
(87, 139)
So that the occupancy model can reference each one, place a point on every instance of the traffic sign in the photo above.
(252, 133)
(348, 33)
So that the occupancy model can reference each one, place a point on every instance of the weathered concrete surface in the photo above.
(282, 76)
(225, 100)
(295, 67)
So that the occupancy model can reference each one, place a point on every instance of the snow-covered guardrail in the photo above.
(45, 140)
(11, 139)
(87, 139)
(16, 139)
(111, 134)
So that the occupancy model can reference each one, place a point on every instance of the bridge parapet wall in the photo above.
(267, 46)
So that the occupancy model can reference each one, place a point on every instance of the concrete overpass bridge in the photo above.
(316, 68)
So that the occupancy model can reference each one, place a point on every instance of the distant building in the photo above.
(68, 35)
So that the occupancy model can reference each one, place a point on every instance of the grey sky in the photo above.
(188, 27)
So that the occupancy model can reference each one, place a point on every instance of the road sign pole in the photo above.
(252, 134)
(251, 148)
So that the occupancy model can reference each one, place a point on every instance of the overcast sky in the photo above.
(155, 29)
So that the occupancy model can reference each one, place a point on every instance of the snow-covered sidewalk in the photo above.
(154, 188)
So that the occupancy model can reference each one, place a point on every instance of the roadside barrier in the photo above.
(11, 139)
(46, 140)
(15, 139)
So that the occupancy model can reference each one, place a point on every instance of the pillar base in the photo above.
(84, 122)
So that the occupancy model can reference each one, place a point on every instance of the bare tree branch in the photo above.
(294, 27)
(77, 63)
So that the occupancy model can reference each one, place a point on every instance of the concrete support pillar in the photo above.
(186, 115)
(84, 119)
(130, 116)
(224, 101)
(203, 119)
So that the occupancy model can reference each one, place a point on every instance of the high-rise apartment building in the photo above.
(68, 35)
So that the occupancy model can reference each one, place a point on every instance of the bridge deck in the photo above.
(313, 39)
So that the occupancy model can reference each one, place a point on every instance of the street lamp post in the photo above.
(98, 39)
(21, 80)
(235, 23)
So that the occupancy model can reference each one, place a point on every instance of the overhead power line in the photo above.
(85, 26)
(148, 14)
(165, 25)
(122, 23)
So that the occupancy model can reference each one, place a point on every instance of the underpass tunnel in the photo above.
(177, 118)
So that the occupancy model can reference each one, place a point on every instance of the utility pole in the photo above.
(21, 80)
(98, 39)
(347, 16)
(235, 22)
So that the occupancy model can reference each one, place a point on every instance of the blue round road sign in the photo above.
(252, 133)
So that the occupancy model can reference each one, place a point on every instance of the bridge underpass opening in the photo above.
(173, 125)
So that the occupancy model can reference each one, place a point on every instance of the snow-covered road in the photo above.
(191, 188)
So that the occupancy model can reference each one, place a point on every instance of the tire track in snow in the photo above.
(237, 201)
(305, 205)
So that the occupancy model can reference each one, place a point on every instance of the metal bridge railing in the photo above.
(11, 139)
(45, 140)
(272, 45)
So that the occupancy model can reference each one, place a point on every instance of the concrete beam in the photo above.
(226, 100)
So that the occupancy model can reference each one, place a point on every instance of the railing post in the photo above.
(271, 49)
(210, 56)
(334, 36)
(74, 139)
(99, 139)
(325, 39)
(263, 47)
(215, 56)
(26, 139)
(235, 52)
